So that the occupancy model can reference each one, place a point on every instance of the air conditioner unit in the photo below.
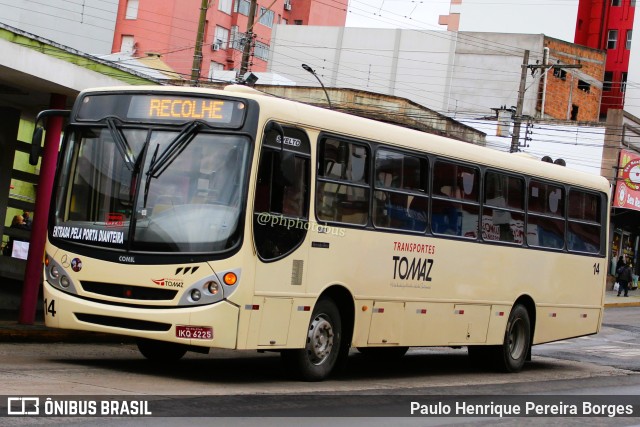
(216, 45)
(287, 5)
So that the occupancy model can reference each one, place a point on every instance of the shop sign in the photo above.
(628, 181)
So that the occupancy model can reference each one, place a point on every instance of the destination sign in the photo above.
(162, 107)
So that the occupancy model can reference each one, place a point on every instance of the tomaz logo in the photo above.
(170, 283)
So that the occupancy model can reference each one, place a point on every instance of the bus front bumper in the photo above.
(212, 325)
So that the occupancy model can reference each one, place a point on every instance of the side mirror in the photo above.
(36, 140)
(36, 146)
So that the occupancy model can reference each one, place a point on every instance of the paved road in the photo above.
(251, 386)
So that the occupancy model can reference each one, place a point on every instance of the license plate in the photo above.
(194, 332)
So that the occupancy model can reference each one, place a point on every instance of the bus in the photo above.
(194, 218)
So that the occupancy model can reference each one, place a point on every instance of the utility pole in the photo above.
(197, 53)
(517, 118)
(515, 138)
(248, 39)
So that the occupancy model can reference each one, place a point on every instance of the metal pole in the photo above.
(33, 271)
(309, 69)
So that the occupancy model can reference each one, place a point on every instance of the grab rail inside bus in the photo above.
(287, 158)
(36, 140)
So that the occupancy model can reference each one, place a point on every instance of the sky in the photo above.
(554, 18)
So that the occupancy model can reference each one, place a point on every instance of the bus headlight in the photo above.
(64, 281)
(55, 273)
(196, 295)
(213, 287)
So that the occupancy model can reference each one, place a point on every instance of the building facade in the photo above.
(451, 72)
(608, 25)
(169, 28)
(600, 24)
(86, 26)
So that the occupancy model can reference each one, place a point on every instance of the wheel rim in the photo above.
(320, 339)
(517, 340)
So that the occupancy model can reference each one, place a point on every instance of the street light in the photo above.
(309, 69)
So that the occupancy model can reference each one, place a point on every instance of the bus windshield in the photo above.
(152, 190)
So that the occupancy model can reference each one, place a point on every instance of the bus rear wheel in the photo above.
(318, 358)
(160, 351)
(512, 354)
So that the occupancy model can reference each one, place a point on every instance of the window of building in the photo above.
(127, 44)
(629, 36)
(623, 83)
(225, 6)
(584, 86)
(400, 197)
(132, 9)
(616, 2)
(608, 81)
(221, 39)
(297, 22)
(574, 112)
(261, 50)
(560, 73)
(242, 7)
(612, 39)
(266, 17)
(213, 68)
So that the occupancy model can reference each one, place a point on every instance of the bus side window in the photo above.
(545, 215)
(503, 211)
(342, 193)
(400, 200)
(455, 207)
(585, 222)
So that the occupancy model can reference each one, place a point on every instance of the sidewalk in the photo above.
(12, 331)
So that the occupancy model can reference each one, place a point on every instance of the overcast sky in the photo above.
(554, 18)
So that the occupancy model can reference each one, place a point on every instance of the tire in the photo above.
(160, 351)
(512, 354)
(383, 353)
(324, 338)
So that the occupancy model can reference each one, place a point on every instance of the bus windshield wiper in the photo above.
(159, 164)
(173, 150)
(121, 144)
(149, 176)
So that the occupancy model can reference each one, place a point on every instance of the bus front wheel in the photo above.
(160, 351)
(319, 356)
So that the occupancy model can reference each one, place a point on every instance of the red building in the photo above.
(608, 25)
(169, 28)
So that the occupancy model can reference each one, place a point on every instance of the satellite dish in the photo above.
(547, 159)
(560, 162)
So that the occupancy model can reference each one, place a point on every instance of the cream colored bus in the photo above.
(194, 219)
